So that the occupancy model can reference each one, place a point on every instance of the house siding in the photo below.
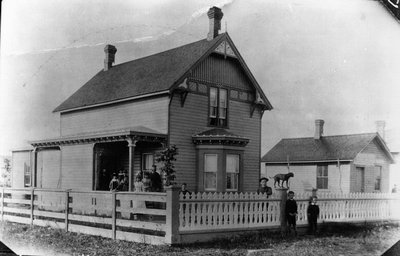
(150, 113)
(185, 122)
(192, 118)
(77, 167)
(20, 161)
(369, 158)
(49, 168)
(305, 177)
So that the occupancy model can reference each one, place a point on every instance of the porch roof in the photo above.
(219, 136)
(138, 133)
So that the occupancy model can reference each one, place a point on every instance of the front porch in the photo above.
(127, 152)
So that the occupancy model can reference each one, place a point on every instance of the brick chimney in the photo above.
(215, 15)
(380, 128)
(110, 51)
(319, 129)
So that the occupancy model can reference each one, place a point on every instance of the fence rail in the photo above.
(139, 217)
(170, 218)
(221, 211)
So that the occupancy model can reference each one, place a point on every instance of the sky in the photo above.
(336, 60)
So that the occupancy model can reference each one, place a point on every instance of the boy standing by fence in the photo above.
(312, 215)
(291, 212)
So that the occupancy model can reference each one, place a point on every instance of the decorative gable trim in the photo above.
(225, 49)
(228, 41)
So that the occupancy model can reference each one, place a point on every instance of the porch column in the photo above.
(98, 152)
(131, 145)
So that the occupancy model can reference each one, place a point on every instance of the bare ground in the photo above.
(344, 240)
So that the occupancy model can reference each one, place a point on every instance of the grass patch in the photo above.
(371, 239)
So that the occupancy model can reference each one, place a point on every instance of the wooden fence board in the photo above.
(17, 201)
(17, 210)
(141, 225)
(147, 196)
(56, 215)
(90, 230)
(147, 211)
(91, 219)
(49, 223)
(140, 238)
(17, 219)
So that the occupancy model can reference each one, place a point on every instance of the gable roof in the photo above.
(158, 73)
(328, 148)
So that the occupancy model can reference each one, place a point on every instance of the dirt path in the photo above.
(372, 240)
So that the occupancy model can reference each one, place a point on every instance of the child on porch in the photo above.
(312, 215)
(113, 183)
(291, 212)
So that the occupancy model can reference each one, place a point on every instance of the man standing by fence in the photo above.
(264, 188)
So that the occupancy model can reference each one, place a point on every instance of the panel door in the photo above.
(359, 185)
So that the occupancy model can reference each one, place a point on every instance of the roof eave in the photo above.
(111, 102)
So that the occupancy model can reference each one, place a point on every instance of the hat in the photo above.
(263, 178)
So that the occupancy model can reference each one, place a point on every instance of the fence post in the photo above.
(66, 209)
(114, 215)
(172, 218)
(282, 195)
(32, 204)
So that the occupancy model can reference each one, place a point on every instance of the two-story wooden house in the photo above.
(200, 97)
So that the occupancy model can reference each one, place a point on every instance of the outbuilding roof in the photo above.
(157, 73)
(327, 148)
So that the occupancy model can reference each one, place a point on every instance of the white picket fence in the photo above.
(172, 218)
(205, 211)
(230, 211)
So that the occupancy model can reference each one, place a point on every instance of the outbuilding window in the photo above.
(322, 177)
(378, 177)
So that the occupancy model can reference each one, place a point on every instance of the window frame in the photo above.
(215, 172)
(216, 120)
(235, 173)
(144, 162)
(378, 177)
(323, 177)
(27, 176)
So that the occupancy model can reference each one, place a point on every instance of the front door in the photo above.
(359, 179)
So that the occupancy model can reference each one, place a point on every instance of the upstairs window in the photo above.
(218, 107)
(322, 177)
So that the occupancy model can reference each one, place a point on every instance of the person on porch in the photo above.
(113, 183)
(264, 188)
(156, 183)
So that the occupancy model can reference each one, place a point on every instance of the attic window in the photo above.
(218, 112)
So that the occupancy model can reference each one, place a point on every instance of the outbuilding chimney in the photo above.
(109, 59)
(319, 129)
(215, 15)
(380, 128)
